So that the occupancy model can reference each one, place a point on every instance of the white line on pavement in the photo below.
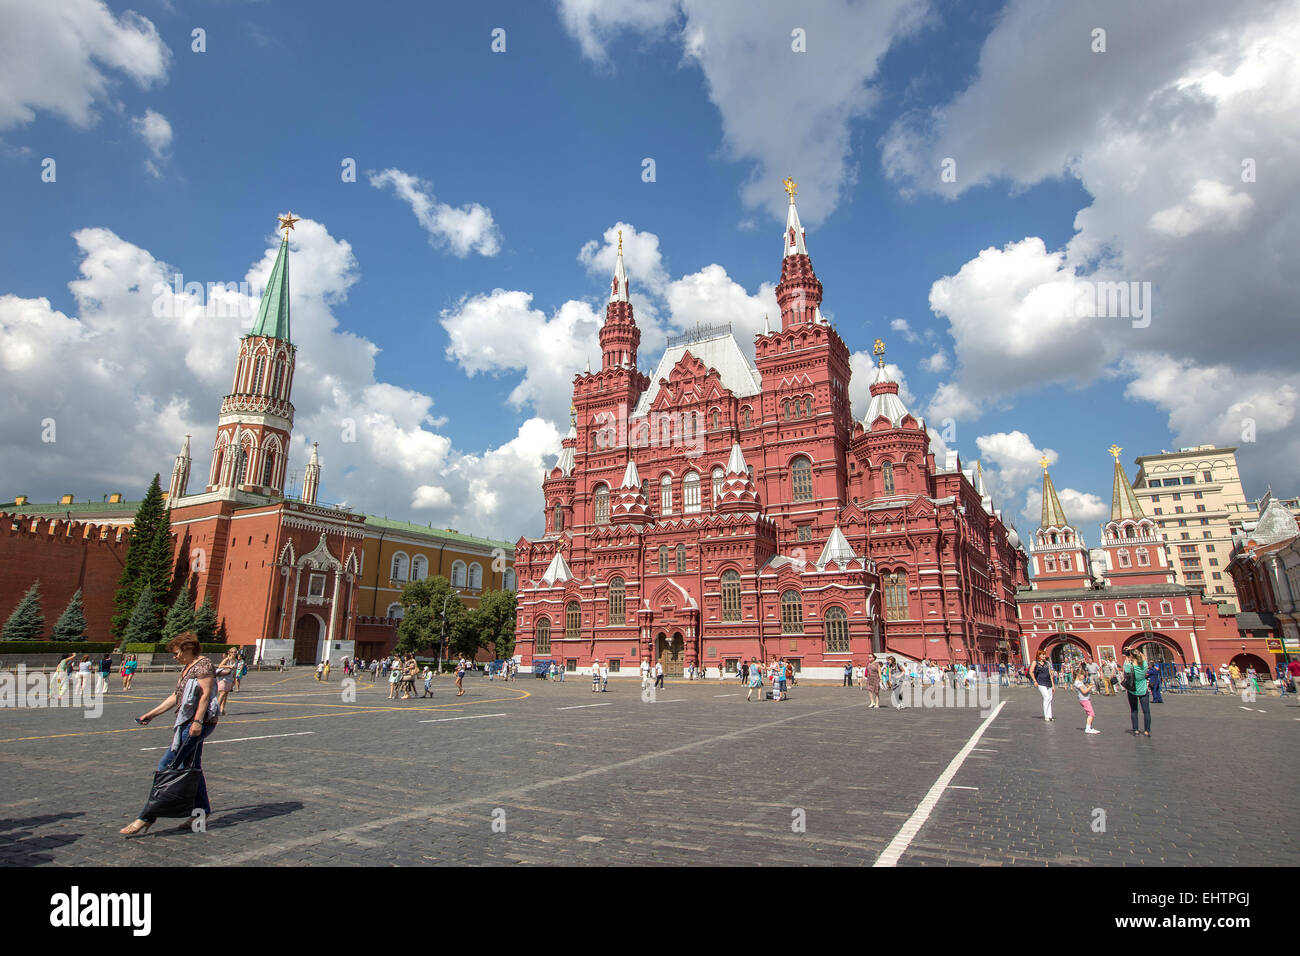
(983, 750)
(235, 740)
(440, 720)
(580, 706)
(953, 786)
(726, 695)
(907, 833)
(675, 700)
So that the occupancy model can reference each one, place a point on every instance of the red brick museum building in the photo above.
(723, 509)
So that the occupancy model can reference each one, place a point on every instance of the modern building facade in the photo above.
(1265, 568)
(1195, 497)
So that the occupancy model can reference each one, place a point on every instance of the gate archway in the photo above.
(307, 634)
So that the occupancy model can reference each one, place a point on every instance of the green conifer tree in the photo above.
(205, 621)
(142, 628)
(71, 625)
(26, 623)
(181, 615)
(135, 576)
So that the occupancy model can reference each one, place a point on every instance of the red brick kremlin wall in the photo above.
(63, 556)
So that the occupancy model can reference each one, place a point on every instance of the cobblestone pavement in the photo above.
(535, 772)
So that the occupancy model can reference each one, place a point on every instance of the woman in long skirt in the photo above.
(873, 682)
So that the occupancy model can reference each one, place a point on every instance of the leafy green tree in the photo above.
(432, 609)
(496, 622)
(181, 616)
(205, 621)
(142, 628)
(140, 567)
(71, 625)
(26, 623)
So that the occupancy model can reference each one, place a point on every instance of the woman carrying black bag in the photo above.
(181, 768)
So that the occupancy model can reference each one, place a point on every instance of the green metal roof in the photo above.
(1124, 505)
(76, 508)
(1053, 513)
(273, 312)
(372, 521)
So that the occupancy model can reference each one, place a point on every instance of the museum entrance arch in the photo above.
(671, 653)
(307, 643)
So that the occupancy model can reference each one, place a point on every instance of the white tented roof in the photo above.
(558, 572)
(887, 404)
(722, 352)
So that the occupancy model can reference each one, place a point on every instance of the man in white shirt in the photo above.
(659, 674)
(645, 673)
(604, 677)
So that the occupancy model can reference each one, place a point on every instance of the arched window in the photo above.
(787, 409)
(837, 631)
(666, 495)
(277, 383)
(1049, 563)
(559, 517)
(1038, 611)
(419, 568)
(1144, 609)
(1124, 560)
(744, 417)
(731, 595)
(1056, 611)
(1166, 607)
(1078, 610)
(1120, 610)
(715, 418)
(259, 369)
(572, 620)
(401, 567)
(458, 574)
(681, 559)
(602, 504)
(663, 559)
(691, 493)
(543, 636)
(1144, 558)
(508, 579)
(476, 576)
(1098, 610)
(887, 475)
(718, 477)
(268, 470)
(896, 597)
(1065, 562)
(807, 406)
(801, 478)
(396, 611)
(617, 601)
(791, 613)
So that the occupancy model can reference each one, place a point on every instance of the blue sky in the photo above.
(537, 152)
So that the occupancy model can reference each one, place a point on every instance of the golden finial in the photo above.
(791, 187)
(620, 242)
(1044, 461)
(1114, 452)
(573, 414)
(879, 351)
(286, 223)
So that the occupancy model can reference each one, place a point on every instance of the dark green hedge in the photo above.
(95, 648)
(161, 648)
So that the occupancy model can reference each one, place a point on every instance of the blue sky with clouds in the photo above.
(444, 299)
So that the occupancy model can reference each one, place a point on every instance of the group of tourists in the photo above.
(508, 670)
(229, 672)
(651, 672)
(87, 676)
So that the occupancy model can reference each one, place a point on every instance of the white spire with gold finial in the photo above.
(794, 234)
(618, 285)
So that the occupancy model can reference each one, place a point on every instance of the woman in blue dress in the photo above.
(1153, 682)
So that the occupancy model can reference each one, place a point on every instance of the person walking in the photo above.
(755, 682)
(1045, 680)
(105, 668)
(128, 671)
(873, 683)
(595, 675)
(196, 719)
(225, 672)
(394, 675)
(1135, 684)
(428, 681)
(83, 674)
(1084, 687)
(63, 673)
(320, 669)
(897, 676)
(645, 673)
(604, 677)
(659, 674)
(1108, 676)
(848, 673)
(460, 677)
(1153, 682)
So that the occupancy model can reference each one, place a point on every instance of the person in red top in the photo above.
(1294, 670)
